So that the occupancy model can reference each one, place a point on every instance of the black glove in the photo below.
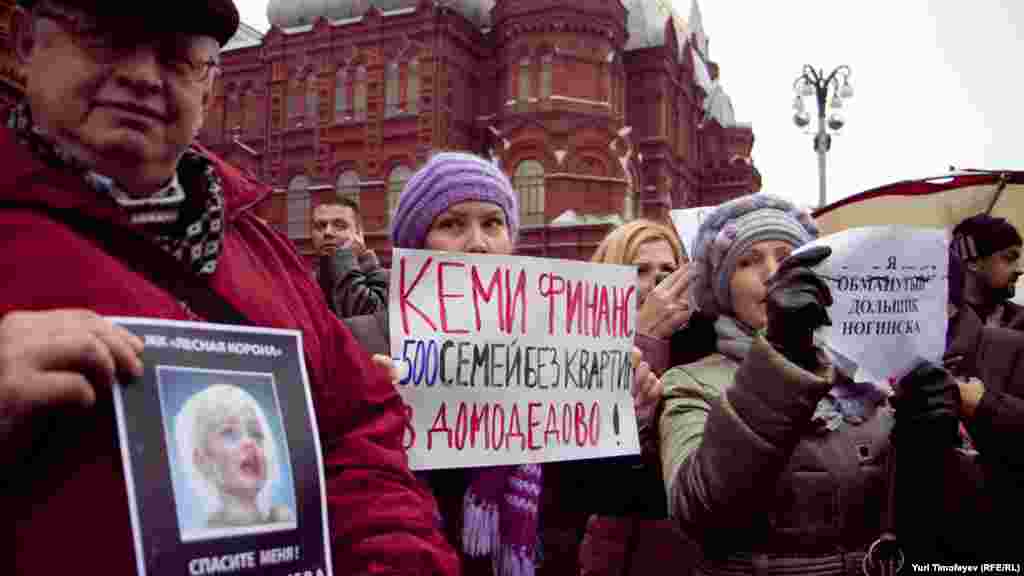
(796, 305)
(927, 403)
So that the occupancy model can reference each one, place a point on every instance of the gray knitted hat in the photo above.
(726, 234)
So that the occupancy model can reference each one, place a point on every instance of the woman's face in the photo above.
(747, 284)
(654, 259)
(235, 447)
(477, 227)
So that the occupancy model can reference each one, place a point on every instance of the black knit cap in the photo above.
(981, 236)
(215, 18)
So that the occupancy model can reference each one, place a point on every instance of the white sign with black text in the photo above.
(890, 289)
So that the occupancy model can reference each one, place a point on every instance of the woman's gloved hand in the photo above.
(796, 305)
(927, 403)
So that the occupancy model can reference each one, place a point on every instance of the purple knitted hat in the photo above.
(449, 178)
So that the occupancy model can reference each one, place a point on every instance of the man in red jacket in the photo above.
(116, 93)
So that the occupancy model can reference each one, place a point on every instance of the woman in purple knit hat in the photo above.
(459, 202)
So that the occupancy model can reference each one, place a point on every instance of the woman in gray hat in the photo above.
(771, 460)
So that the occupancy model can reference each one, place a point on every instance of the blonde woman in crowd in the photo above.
(633, 535)
(668, 332)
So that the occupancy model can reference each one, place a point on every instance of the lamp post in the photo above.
(829, 92)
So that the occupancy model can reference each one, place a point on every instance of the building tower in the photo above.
(598, 110)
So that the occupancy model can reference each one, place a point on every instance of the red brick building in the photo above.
(605, 107)
(609, 108)
(12, 84)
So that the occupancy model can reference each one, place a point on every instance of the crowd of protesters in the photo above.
(758, 455)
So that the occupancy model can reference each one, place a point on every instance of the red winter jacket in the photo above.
(65, 501)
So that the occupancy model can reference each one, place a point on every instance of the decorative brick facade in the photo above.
(604, 107)
(12, 84)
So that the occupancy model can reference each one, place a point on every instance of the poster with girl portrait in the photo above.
(228, 452)
(221, 452)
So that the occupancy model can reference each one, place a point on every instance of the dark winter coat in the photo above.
(68, 494)
(628, 531)
(353, 286)
(763, 488)
(996, 357)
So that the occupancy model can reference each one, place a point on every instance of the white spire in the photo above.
(646, 23)
(697, 29)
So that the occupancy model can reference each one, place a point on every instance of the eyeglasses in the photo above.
(106, 44)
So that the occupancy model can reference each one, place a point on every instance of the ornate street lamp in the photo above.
(829, 92)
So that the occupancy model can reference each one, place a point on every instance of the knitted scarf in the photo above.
(189, 226)
(500, 517)
(847, 400)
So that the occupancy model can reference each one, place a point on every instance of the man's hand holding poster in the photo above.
(511, 360)
(890, 290)
(221, 452)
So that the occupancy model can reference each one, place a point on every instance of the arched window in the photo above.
(546, 62)
(359, 96)
(591, 167)
(513, 79)
(252, 115)
(629, 200)
(277, 112)
(341, 96)
(391, 89)
(396, 182)
(298, 207)
(295, 100)
(664, 116)
(234, 113)
(529, 184)
(312, 101)
(524, 80)
(684, 136)
(672, 126)
(608, 81)
(619, 87)
(348, 186)
(412, 94)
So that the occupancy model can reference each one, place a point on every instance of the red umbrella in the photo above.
(940, 202)
(934, 202)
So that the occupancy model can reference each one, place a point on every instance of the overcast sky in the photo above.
(937, 83)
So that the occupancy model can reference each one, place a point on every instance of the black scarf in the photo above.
(185, 217)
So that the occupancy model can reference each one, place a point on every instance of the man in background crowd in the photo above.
(990, 249)
(350, 276)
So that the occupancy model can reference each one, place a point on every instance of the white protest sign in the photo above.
(512, 360)
(890, 290)
(687, 222)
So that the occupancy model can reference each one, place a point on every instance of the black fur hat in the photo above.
(981, 236)
(215, 18)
